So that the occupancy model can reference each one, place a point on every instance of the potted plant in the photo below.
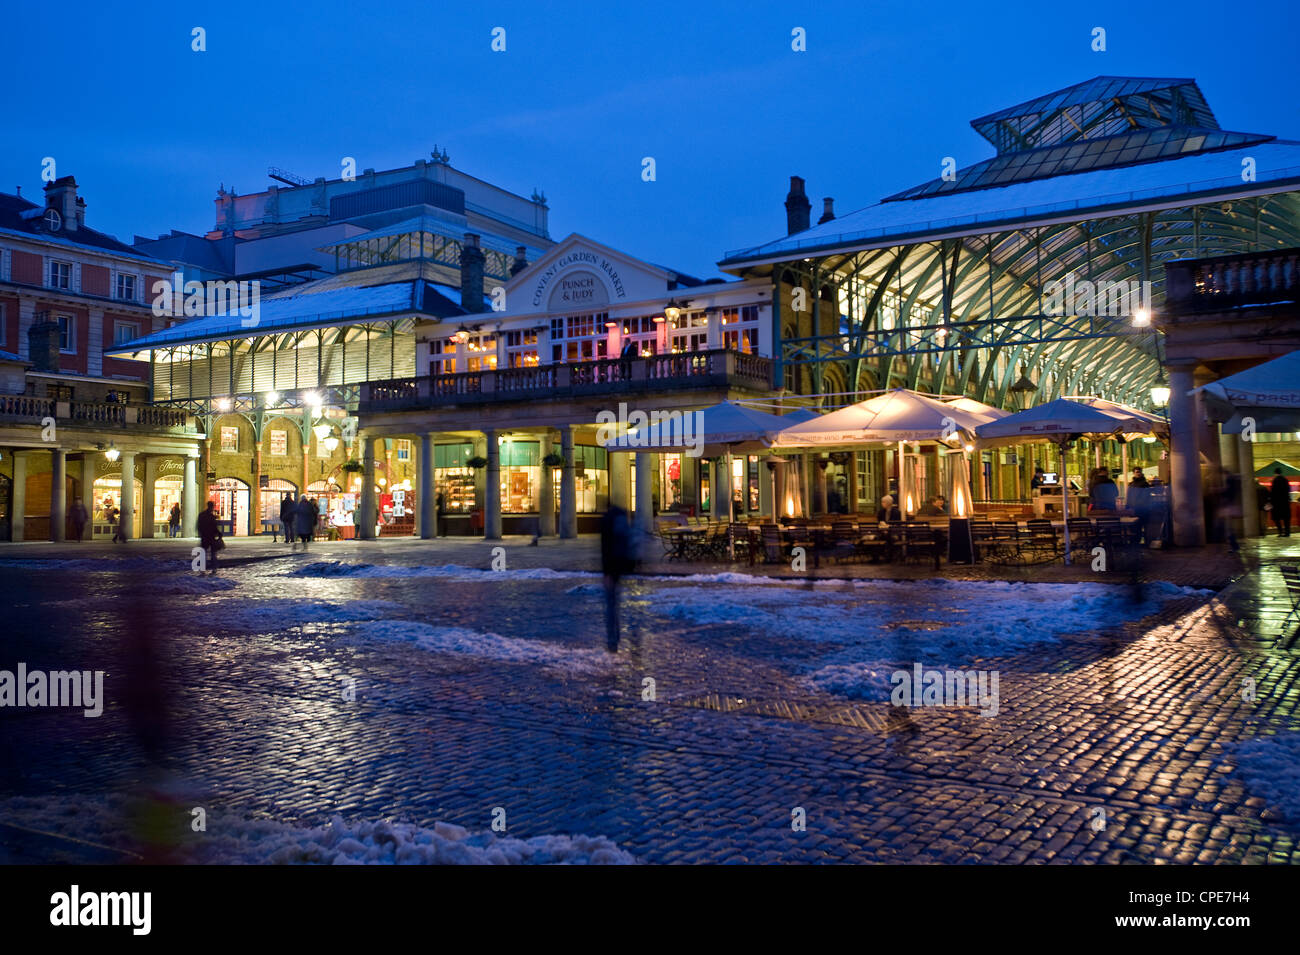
(553, 460)
(353, 466)
(478, 462)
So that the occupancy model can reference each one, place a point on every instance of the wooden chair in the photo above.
(773, 545)
(921, 540)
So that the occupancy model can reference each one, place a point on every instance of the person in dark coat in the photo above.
(617, 557)
(440, 508)
(287, 508)
(315, 516)
(1229, 506)
(1104, 493)
(174, 521)
(1139, 502)
(77, 514)
(1279, 494)
(209, 534)
(304, 521)
(111, 514)
(888, 510)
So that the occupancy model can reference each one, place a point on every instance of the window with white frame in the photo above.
(403, 447)
(60, 274)
(67, 334)
(124, 286)
(125, 331)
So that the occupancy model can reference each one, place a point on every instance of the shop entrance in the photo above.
(108, 495)
(230, 495)
(271, 495)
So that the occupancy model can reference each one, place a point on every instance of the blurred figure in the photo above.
(1229, 506)
(304, 520)
(1139, 502)
(209, 534)
(110, 514)
(77, 514)
(617, 557)
(1103, 495)
(1280, 499)
(174, 521)
(888, 510)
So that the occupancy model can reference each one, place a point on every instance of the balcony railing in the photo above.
(1231, 281)
(670, 372)
(97, 414)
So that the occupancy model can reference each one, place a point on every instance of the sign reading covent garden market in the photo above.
(579, 288)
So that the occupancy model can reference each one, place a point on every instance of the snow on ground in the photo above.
(261, 616)
(1269, 767)
(490, 646)
(233, 840)
(336, 568)
(872, 628)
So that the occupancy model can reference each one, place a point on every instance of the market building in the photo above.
(73, 420)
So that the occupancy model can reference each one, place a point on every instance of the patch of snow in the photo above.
(491, 646)
(335, 568)
(1269, 767)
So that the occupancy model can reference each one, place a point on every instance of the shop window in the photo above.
(279, 443)
(229, 440)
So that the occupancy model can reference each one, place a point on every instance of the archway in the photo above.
(231, 497)
(108, 494)
(270, 496)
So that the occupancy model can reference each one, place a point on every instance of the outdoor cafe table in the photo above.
(682, 538)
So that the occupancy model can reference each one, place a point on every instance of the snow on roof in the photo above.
(331, 307)
(1276, 162)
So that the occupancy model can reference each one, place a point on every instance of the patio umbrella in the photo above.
(717, 430)
(987, 412)
(1268, 393)
(898, 415)
(1287, 470)
(1060, 422)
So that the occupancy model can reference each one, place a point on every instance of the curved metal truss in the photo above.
(969, 314)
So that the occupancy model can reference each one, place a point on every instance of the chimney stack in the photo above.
(521, 261)
(797, 207)
(828, 210)
(43, 344)
(61, 196)
(471, 274)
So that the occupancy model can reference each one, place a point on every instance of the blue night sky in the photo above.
(715, 94)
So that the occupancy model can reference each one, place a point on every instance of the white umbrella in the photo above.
(898, 415)
(1060, 422)
(988, 412)
(1268, 393)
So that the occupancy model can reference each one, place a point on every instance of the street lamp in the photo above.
(1023, 390)
(112, 453)
(331, 443)
(1160, 393)
(673, 310)
(322, 431)
(461, 335)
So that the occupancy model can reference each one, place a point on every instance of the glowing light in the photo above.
(1160, 394)
(112, 453)
(331, 444)
(1141, 317)
(272, 397)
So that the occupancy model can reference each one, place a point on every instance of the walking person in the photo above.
(1229, 508)
(315, 517)
(617, 557)
(1279, 494)
(174, 520)
(210, 538)
(1139, 502)
(439, 510)
(304, 520)
(77, 514)
(286, 518)
(111, 514)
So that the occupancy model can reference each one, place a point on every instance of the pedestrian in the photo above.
(315, 517)
(286, 518)
(210, 538)
(1103, 495)
(77, 514)
(1139, 502)
(1279, 495)
(303, 520)
(111, 514)
(617, 557)
(440, 509)
(174, 520)
(1229, 508)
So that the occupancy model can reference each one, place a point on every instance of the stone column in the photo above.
(546, 490)
(147, 499)
(1246, 471)
(428, 494)
(1185, 468)
(126, 515)
(492, 491)
(89, 463)
(644, 519)
(819, 484)
(58, 494)
(367, 513)
(19, 503)
(618, 480)
(190, 497)
(568, 486)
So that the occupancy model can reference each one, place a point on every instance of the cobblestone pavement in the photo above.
(1111, 745)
